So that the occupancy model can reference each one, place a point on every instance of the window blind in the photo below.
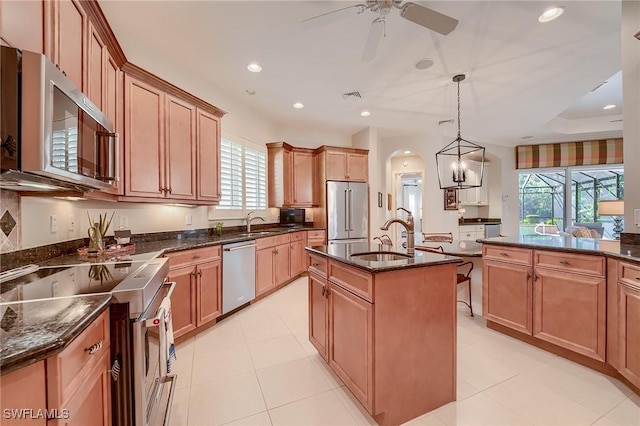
(230, 175)
(255, 166)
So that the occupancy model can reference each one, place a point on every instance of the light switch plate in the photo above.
(53, 223)
(636, 216)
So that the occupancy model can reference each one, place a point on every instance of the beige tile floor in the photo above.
(257, 367)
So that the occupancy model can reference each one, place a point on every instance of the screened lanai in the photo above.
(543, 197)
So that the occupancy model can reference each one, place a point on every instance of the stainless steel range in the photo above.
(143, 390)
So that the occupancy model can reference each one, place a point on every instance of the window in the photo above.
(546, 199)
(243, 177)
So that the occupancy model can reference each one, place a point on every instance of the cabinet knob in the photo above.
(503, 254)
(565, 262)
(317, 264)
(196, 257)
(94, 348)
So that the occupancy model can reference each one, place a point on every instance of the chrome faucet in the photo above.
(408, 225)
(249, 219)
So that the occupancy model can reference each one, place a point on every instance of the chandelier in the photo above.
(460, 164)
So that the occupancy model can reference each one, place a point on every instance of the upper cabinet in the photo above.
(478, 196)
(22, 24)
(344, 164)
(292, 174)
(67, 40)
(208, 156)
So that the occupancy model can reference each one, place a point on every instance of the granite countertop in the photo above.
(150, 249)
(611, 248)
(345, 253)
(465, 248)
(35, 330)
(478, 221)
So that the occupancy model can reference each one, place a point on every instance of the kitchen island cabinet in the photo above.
(629, 322)
(387, 329)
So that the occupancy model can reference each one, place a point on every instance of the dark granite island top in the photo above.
(35, 330)
(610, 248)
(347, 253)
(464, 248)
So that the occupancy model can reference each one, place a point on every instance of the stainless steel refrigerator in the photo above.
(347, 212)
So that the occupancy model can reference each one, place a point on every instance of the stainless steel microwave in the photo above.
(52, 137)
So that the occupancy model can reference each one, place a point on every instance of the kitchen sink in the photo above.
(254, 234)
(381, 256)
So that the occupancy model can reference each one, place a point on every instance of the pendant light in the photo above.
(453, 161)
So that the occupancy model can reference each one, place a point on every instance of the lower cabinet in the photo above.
(629, 324)
(319, 314)
(351, 347)
(298, 258)
(314, 238)
(197, 298)
(265, 277)
(273, 262)
(24, 389)
(506, 294)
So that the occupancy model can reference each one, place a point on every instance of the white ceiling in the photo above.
(523, 78)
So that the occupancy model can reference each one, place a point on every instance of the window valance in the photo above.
(565, 154)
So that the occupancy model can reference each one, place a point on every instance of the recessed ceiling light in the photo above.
(423, 64)
(253, 67)
(298, 105)
(407, 152)
(365, 114)
(610, 106)
(551, 14)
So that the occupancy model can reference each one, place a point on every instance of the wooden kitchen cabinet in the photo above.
(317, 237)
(570, 311)
(298, 258)
(319, 314)
(97, 68)
(24, 389)
(23, 24)
(346, 165)
(291, 176)
(78, 380)
(629, 322)
(351, 348)
(65, 43)
(282, 263)
(197, 298)
(507, 294)
(208, 156)
(265, 277)
(180, 150)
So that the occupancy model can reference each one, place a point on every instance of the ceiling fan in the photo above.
(410, 11)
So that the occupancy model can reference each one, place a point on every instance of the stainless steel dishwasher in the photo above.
(238, 274)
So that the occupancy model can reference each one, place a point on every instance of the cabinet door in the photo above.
(209, 300)
(357, 167)
(91, 404)
(506, 295)
(144, 139)
(97, 67)
(570, 311)
(283, 263)
(208, 155)
(629, 332)
(303, 168)
(180, 149)
(336, 165)
(297, 258)
(22, 24)
(351, 348)
(70, 29)
(288, 177)
(113, 104)
(25, 388)
(318, 314)
(265, 274)
(183, 300)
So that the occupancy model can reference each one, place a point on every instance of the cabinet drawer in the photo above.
(351, 279)
(272, 241)
(316, 236)
(67, 370)
(507, 254)
(187, 257)
(298, 236)
(630, 274)
(584, 264)
(318, 264)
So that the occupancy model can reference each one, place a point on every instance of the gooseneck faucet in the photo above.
(408, 225)
(249, 219)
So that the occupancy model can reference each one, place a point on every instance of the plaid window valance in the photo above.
(566, 154)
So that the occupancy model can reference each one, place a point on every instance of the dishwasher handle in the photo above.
(240, 247)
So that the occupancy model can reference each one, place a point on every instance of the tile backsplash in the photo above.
(9, 221)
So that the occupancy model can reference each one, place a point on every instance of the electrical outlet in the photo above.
(124, 221)
(53, 223)
(636, 217)
(72, 224)
(188, 219)
(54, 289)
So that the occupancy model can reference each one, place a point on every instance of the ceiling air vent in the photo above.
(355, 94)
(441, 122)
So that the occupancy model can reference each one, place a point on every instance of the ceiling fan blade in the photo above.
(332, 16)
(373, 39)
(428, 18)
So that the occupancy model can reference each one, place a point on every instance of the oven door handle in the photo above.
(158, 321)
(159, 316)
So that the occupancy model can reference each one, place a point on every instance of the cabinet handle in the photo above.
(199, 273)
(193, 274)
(169, 190)
(323, 291)
(196, 257)
(638, 278)
(528, 275)
(327, 293)
(503, 254)
(317, 264)
(565, 262)
(160, 189)
(535, 276)
(94, 348)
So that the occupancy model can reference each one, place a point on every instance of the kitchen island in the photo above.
(385, 323)
(576, 297)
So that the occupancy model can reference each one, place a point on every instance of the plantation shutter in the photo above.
(230, 175)
(255, 163)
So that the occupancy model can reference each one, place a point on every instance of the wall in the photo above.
(631, 111)
(368, 139)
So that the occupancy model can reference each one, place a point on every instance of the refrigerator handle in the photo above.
(346, 211)
(350, 228)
